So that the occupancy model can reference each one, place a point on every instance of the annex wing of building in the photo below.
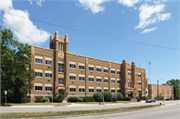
(80, 76)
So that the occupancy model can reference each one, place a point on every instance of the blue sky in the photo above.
(153, 22)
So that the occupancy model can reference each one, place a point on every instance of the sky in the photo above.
(111, 30)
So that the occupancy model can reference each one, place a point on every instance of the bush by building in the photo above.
(107, 96)
(38, 100)
(80, 99)
(140, 95)
(126, 98)
(73, 99)
(98, 97)
(120, 96)
(45, 99)
(144, 98)
(88, 99)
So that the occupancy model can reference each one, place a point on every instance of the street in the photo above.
(73, 107)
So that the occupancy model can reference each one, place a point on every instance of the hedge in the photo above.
(120, 96)
(126, 98)
(88, 99)
(80, 99)
(107, 96)
(73, 99)
(98, 97)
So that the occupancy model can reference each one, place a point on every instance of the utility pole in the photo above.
(158, 89)
(149, 75)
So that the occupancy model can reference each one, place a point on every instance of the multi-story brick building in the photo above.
(164, 90)
(57, 70)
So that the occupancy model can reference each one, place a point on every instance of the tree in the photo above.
(120, 96)
(98, 97)
(140, 95)
(107, 96)
(15, 59)
(176, 86)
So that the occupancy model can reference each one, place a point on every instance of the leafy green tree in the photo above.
(176, 85)
(120, 96)
(15, 58)
(98, 97)
(107, 96)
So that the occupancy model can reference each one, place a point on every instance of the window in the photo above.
(81, 67)
(72, 65)
(48, 62)
(112, 81)
(72, 89)
(98, 80)
(118, 81)
(139, 75)
(38, 61)
(72, 77)
(139, 91)
(38, 88)
(105, 80)
(91, 68)
(98, 90)
(112, 71)
(139, 83)
(48, 88)
(38, 74)
(98, 69)
(91, 90)
(105, 70)
(48, 75)
(61, 67)
(91, 79)
(119, 91)
(81, 90)
(129, 73)
(113, 91)
(118, 72)
(81, 79)
(61, 81)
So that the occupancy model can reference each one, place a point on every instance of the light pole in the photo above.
(163, 93)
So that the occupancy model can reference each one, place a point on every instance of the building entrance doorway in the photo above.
(130, 94)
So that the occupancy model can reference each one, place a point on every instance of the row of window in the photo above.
(40, 61)
(82, 90)
(40, 88)
(40, 74)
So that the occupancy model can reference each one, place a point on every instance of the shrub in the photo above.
(120, 96)
(25, 99)
(38, 100)
(140, 95)
(107, 96)
(45, 99)
(56, 99)
(73, 99)
(144, 98)
(126, 98)
(88, 99)
(98, 97)
(80, 99)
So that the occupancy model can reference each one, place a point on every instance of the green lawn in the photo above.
(29, 104)
(105, 102)
(71, 113)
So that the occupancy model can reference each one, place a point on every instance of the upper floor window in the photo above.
(81, 66)
(113, 90)
(61, 81)
(81, 90)
(119, 72)
(91, 78)
(72, 64)
(105, 70)
(98, 79)
(72, 76)
(91, 67)
(139, 75)
(112, 80)
(60, 66)
(118, 81)
(48, 87)
(98, 68)
(81, 77)
(91, 90)
(72, 89)
(105, 80)
(98, 90)
(48, 60)
(38, 59)
(129, 73)
(139, 83)
(119, 91)
(112, 71)
(38, 72)
(38, 86)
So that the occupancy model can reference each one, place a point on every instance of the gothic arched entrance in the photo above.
(130, 94)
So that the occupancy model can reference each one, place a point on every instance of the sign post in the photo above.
(5, 92)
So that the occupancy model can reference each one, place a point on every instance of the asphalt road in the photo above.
(164, 112)
(21, 109)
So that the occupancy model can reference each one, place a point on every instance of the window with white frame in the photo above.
(60, 66)
(48, 74)
(98, 68)
(118, 72)
(98, 90)
(129, 73)
(38, 72)
(91, 89)
(139, 75)
(105, 69)
(118, 81)
(113, 80)
(48, 60)
(38, 86)
(61, 81)
(72, 65)
(98, 78)
(91, 78)
(105, 79)
(38, 59)
(113, 90)
(81, 89)
(91, 67)
(72, 88)
(48, 87)
(139, 82)
(81, 77)
(72, 76)
(113, 71)
(105, 88)
(119, 91)
(81, 66)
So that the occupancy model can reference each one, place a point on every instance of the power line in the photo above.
(92, 32)
(19, 32)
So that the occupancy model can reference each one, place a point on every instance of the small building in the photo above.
(164, 90)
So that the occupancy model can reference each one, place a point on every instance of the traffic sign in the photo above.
(5, 92)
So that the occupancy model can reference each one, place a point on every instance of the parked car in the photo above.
(150, 100)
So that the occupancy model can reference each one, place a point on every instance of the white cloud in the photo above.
(151, 14)
(149, 30)
(39, 2)
(93, 5)
(30, 2)
(6, 5)
(129, 3)
(24, 26)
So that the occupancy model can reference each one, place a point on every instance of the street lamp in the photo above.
(163, 93)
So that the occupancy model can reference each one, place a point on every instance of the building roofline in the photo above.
(41, 47)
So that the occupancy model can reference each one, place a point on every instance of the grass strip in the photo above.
(32, 104)
(71, 113)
